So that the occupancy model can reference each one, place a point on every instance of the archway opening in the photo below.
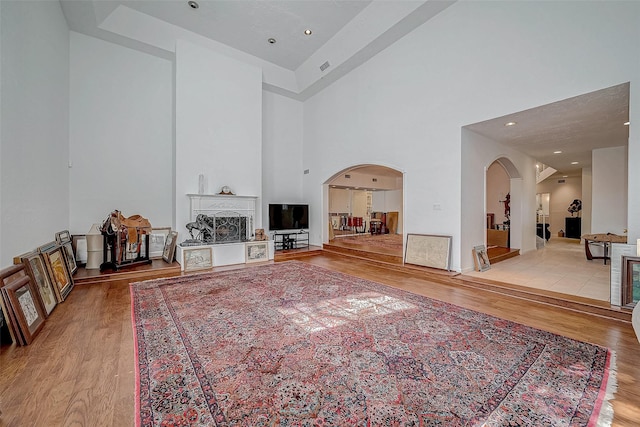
(501, 233)
(363, 209)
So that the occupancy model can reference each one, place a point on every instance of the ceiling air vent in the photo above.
(561, 181)
(324, 66)
(347, 176)
(306, 171)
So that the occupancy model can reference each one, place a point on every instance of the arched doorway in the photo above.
(502, 180)
(364, 207)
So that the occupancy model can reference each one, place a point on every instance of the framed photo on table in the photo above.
(57, 269)
(169, 250)
(256, 251)
(481, 258)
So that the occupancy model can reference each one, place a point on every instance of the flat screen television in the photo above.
(288, 217)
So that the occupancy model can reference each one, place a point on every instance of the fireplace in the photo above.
(223, 227)
(230, 226)
(221, 218)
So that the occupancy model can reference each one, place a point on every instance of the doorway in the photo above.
(364, 209)
(498, 233)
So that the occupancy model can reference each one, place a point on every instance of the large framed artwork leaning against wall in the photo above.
(57, 269)
(428, 250)
(21, 304)
(35, 266)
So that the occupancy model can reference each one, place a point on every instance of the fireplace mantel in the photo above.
(210, 204)
(224, 205)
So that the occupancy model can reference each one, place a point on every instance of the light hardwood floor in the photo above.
(80, 369)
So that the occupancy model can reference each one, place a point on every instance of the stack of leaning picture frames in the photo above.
(37, 282)
(20, 305)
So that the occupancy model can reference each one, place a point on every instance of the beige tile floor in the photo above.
(561, 266)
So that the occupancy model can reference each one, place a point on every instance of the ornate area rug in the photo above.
(292, 344)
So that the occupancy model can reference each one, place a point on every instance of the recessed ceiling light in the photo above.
(510, 124)
(574, 163)
(307, 32)
(626, 123)
(271, 40)
(557, 152)
(193, 5)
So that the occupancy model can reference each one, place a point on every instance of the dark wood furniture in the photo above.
(573, 227)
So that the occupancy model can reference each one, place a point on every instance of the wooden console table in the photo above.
(606, 239)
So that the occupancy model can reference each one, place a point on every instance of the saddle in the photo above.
(129, 226)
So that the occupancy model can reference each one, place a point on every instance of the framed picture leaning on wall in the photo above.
(197, 258)
(57, 269)
(256, 251)
(22, 303)
(481, 258)
(170, 246)
(34, 264)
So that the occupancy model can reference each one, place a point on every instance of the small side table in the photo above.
(605, 239)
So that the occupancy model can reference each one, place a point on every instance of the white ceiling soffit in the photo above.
(346, 33)
(575, 126)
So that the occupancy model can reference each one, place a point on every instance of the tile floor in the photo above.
(561, 266)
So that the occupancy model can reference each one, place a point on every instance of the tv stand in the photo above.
(284, 240)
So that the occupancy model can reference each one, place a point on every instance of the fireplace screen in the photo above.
(229, 229)
(223, 227)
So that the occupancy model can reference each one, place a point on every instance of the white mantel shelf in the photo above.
(221, 196)
(212, 203)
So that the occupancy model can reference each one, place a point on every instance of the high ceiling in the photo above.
(345, 33)
(574, 126)
(247, 25)
(268, 33)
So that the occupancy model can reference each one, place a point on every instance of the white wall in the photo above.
(609, 189)
(34, 152)
(389, 201)
(218, 119)
(120, 134)
(340, 201)
(281, 151)
(587, 199)
(472, 62)
(562, 195)
(478, 153)
(365, 181)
